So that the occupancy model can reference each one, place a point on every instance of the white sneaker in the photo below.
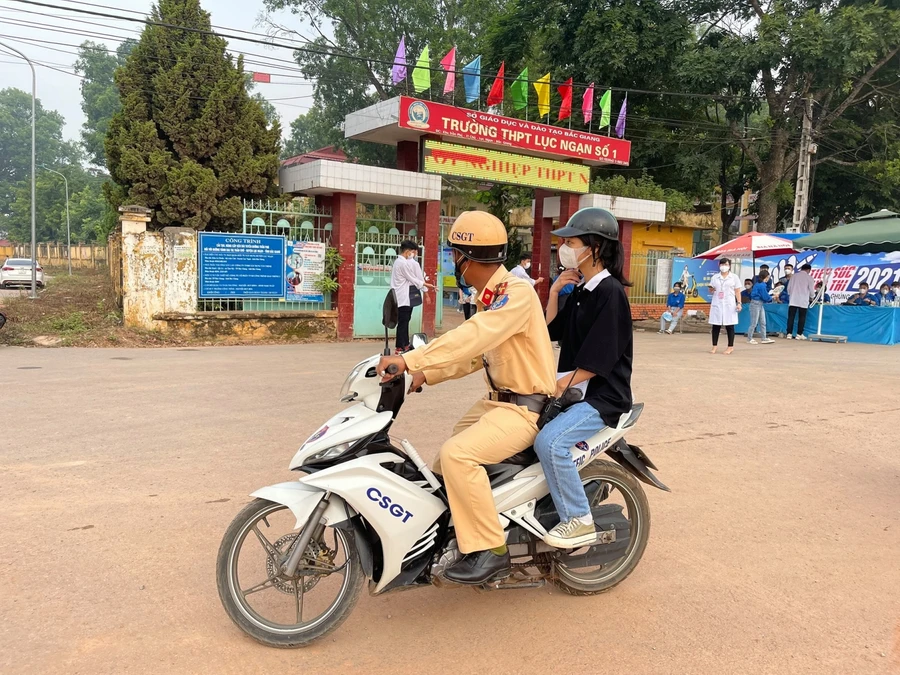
(801, 337)
(660, 332)
(571, 535)
(768, 341)
(788, 337)
(752, 342)
(669, 332)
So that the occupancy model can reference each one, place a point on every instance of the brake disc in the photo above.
(314, 551)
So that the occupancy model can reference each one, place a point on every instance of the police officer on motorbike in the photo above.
(509, 340)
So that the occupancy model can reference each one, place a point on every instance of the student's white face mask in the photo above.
(569, 257)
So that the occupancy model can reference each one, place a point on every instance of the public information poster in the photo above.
(241, 266)
(303, 271)
(450, 159)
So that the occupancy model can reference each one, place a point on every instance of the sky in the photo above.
(289, 92)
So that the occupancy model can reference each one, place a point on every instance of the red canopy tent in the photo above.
(750, 244)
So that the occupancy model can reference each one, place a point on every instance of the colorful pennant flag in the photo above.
(620, 123)
(606, 109)
(265, 78)
(398, 72)
(542, 87)
(587, 104)
(472, 80)
(422, 72)
(495, 97)
(518, 91)
(448, 63)
(565, 90)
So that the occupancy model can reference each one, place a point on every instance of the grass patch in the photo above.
(80, 309)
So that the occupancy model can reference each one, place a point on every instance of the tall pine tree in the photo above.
(189, 142)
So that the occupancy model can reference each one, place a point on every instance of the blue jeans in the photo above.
(757, 318)
(553, 447)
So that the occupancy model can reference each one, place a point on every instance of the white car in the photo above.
(17, 272)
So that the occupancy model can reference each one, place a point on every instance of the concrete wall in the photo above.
(159, 270)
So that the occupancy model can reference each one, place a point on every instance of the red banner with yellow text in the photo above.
(524, 136)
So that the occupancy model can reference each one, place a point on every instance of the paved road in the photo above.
(777, 552)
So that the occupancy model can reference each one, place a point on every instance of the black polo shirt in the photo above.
(594, 333)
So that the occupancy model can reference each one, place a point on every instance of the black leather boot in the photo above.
(478, 568)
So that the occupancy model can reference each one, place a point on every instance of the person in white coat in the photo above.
(725, 305)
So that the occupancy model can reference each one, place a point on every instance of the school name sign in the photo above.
(524, 136)
(450, 159)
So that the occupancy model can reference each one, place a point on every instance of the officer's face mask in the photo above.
(569, 257)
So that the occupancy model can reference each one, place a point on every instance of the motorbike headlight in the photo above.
(328, 453)
(346, 394)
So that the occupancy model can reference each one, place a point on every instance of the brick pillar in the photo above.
(541, 247)
(343, 238)
(429, 226)
(625, 228)
(407, 160)
(568, 205)
(408, 155)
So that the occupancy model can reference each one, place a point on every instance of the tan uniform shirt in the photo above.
(511, 333)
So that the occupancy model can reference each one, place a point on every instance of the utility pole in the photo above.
(68, 228)
(33, 205)
(807, 150)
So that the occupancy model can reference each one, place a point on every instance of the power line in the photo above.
(318, 51)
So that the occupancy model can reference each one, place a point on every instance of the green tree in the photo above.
(99, 95)
(643, 188)
(770, 59)
(15, 160)
(353, 46)
(311, 131)
(189, 142)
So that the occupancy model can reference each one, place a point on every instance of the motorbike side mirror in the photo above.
(419, 340)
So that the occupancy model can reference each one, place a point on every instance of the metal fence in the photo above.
(297, 220)
(651, 274)
(55, 255)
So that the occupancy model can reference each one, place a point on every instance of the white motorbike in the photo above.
(293, 562)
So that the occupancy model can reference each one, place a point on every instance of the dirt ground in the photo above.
(778, 550)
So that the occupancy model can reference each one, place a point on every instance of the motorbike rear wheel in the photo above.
(593, 582)
(256, 617)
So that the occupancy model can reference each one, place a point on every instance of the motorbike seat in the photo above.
(501, 473)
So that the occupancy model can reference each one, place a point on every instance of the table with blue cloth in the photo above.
(872, 325)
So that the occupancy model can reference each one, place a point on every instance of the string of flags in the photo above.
(518, 90)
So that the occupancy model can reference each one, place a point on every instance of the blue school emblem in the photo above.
(499, 301)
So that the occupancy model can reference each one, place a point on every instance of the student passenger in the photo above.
(595, 335)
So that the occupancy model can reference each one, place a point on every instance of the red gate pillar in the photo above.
(407, 160)
(429, 226)
(625, 228)
(568, 205)
(343, 238)
(541, 245)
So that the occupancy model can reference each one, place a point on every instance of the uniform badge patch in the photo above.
(499, 302)
(487, 297)
(583, 446)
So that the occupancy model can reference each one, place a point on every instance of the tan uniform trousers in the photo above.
(489, 433)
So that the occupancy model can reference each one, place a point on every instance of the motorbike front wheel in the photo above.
(274, 609)
(617, 486)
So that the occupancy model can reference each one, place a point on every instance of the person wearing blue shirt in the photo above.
(862, 297)
(785, 298)
(826, 299)
(895, 294)
(675, 307)
(745, 294)
(759, 298)
(764, 268)
(884, 297)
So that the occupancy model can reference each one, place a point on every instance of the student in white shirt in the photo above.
(405, 275)
(521, 270)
